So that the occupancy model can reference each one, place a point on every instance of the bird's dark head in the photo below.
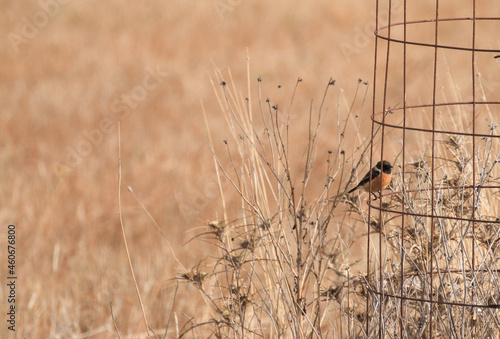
(385, 166)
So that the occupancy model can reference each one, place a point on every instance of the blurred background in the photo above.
(71, 70)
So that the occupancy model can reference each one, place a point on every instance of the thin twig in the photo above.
(123, 229)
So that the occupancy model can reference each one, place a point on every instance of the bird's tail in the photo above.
(355, 188)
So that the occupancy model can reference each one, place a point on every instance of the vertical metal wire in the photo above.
(381, 219)
(473, 216)
(402, 251)
(433, 166)
(374, 109)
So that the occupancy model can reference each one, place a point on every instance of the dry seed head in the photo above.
(359, 287)
(249, 244)
(398, 197)
(453, 182)
(226, 315)
(266, 225)
(393, 239)
(238, 286)
(245, 299)
(463, 209)
(460, 165)
(444, 201)
(387, 205)
(352, 200)
(194, 276)
(333, 292)
(420, 169)
(376, 225)
(216, 224)
(361, 317)
(488, 237)
(455, 141)
(235, 260)
(418, 164)
(332, 256)
(219, 228)
(413, 232)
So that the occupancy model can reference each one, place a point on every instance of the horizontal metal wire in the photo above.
(427, 130)
(470, 49)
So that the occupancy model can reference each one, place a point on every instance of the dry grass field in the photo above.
(72, 70)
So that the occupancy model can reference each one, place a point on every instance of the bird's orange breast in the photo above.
(380, 182)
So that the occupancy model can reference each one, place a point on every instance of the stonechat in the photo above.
(381, 176)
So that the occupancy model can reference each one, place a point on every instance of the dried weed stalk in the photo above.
(286, 266)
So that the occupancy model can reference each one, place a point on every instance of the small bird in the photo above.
(381, 176)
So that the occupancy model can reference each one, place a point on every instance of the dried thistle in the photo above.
(455, 141)
(250, 243)
(194, 276)
(419, 165)
(266, 224)
(333, 292)
(218, 228)
(488, 236)
(376, 225)
(236, 261)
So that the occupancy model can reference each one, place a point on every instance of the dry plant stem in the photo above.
(255, 148)
(156, 225)
(272, 285)
(123, 229)
(113, 317)
(223, 200)
(171, 310)
(249, 203)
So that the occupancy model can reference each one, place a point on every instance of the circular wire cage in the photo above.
(434, 243)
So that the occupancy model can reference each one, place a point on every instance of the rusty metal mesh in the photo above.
(434, 243)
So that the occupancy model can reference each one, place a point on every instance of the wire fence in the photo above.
(434, 248)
